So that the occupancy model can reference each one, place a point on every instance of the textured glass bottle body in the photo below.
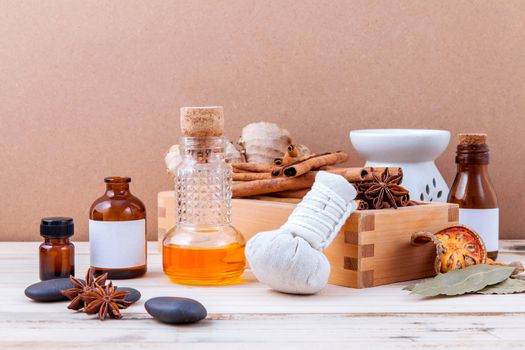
(472, 190)
(117, 232)
(203, 248)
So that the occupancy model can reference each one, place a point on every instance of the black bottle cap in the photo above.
(57, 227)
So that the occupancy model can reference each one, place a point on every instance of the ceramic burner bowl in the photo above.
(414, 150)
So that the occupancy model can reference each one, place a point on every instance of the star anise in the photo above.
(384, 191)
(80, 288)
(106, 301)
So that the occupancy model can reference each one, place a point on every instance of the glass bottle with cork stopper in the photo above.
(473, 190)
(117, 231)
(57, 253)
(203, 248)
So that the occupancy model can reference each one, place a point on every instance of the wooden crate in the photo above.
(373, 247)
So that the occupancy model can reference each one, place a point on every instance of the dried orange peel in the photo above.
(456, 247)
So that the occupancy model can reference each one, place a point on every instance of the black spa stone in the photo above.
(133, 296)
(175, 310)
(48, 290)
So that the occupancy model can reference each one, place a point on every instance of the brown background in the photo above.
(93, 88)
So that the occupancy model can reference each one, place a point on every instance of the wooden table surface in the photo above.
(250, 315)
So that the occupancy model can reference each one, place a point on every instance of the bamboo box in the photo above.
(373, 247)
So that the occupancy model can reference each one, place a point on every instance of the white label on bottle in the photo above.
(117, 244)
(485, 222)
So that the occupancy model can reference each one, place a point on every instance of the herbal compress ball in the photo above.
(290, 259)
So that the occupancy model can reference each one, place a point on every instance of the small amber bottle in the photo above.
(57, 253)
(473, 191)
(117, 231)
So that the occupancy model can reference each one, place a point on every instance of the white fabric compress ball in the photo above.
(290, 259)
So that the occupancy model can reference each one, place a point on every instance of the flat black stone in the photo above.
(175, 310)
(48, 290)
(133, 296)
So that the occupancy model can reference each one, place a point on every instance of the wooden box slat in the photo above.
(373, 247)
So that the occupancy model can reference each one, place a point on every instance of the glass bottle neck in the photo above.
(56, 241)
(473, 168)
(117, 185)
(117, 189)
(472, 155)
(203, 183)
(203, 149)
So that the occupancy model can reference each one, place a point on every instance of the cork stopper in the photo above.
(472, 139)
(202, 121)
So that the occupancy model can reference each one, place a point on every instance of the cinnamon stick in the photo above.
(328, 167)
(286, 160)
(291, 193)
(369, 172)
(363, 174)
(278, 161)
(278, 184)
(362, 205)
(314, 162)
(292, 151)
(254, 167)
(279, 170)
(275, 199)
(351, 174)
(403, 201)
(290, 157)
(246, 176)
(235, 170)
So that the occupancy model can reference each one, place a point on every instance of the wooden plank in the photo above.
(250, 218)
(250, 315)
(413, 331)
(247, 297)
(395, 259)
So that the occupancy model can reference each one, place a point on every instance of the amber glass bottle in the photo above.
(57, 253)
(117, 231)
(473, 191)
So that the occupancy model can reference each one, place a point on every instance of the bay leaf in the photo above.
(508, 286)
(467, 280)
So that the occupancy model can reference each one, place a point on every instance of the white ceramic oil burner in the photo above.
(414, 150)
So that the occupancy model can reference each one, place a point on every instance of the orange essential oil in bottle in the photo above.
(204, 266)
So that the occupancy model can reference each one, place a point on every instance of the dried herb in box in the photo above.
(384, 191)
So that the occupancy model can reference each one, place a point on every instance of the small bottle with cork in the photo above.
(203, 248)
(56, 253)
(473, 190)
